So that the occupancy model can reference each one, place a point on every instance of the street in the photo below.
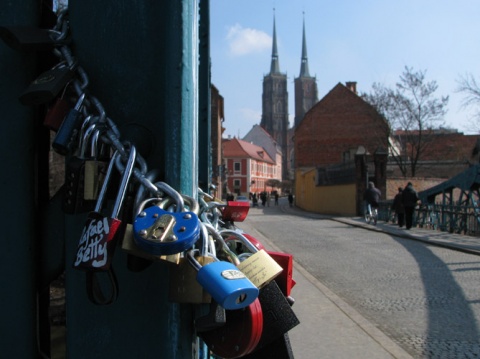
(426, 299)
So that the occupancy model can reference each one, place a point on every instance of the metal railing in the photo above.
(445, 218)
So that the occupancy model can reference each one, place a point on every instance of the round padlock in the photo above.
(240, 334)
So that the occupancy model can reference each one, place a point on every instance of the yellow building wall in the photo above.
(334, 200)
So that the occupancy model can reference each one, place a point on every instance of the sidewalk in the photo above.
(329, 327)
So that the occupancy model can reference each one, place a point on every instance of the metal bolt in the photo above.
(187, 216)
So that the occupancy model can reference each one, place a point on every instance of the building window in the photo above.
(237, 184)
(236, 166)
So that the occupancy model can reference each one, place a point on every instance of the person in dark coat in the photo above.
(409, 200)
(398, 207)
(372, 195)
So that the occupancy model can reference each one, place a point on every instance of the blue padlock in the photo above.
(161, 232)
(228, 286)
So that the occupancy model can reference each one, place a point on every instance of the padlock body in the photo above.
(260, 268)
(97, 243)
(235, 211)
(227, 285)
(26, 38)
(285, 278)
(183, 286)
(186, 231)
(63, 142)
(56, 114)
(47, 86)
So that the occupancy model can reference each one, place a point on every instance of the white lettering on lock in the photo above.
(90, 247)
(232, 274)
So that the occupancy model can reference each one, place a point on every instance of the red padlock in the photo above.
(285, 279)
(56, 113)
(240, 334)
(235, 211)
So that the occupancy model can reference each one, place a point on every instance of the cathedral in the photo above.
(275, 102)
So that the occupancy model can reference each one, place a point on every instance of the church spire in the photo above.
(274, 67)
(304, 66)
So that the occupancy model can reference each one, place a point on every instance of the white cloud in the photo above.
(243, 41)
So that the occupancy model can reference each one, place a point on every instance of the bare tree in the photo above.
(471, 89)
(413, 114)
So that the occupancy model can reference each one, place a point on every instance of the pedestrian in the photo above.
(409, 200)
(290, 199)
(398, 207)
(263, 198)
(276, 198)
(372, 195)
(268, 199)
(254, 200)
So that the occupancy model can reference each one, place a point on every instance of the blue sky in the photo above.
(365, 41)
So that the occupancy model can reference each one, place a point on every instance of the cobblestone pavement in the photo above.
(426, 298)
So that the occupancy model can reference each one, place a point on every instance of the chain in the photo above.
(93, 110)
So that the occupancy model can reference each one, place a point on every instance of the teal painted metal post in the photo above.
(142, 64)
(205, 122)
(19, 207)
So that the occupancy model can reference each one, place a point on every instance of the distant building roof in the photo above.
(241, 149)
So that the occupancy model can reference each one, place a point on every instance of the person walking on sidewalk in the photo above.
(398, 207)
(409, 200)
(290, 199)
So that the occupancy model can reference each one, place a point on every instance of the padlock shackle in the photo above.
(108, 175)
(127, 174)
(217, 237)
(241, 237)
(177, 197)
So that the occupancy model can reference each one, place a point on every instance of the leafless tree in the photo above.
(468, 85)
(413, 113)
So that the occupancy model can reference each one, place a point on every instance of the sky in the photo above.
(366, 41)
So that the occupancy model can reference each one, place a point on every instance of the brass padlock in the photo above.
(95, 163)
(259, 267)
(183, 286)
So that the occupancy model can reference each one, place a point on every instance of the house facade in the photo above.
(248, 168)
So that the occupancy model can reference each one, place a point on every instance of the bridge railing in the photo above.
(446, 218)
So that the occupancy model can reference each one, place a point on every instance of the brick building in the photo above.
(334, 128)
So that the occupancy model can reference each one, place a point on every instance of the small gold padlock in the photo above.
(183, 285)
(259, 267)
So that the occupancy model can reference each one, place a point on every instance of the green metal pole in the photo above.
(205, 122)
(142, 62)
(18, 210)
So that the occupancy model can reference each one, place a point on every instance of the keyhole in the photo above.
(241, 299)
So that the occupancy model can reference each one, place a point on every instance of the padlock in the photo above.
(278, 316)
(285, 279)
(259, 267)
(183, 285)
(95, 162)
(64, 141)
(235, 211)
(160, 232)
(27, 38)
(240, 334)
(216, 317)
(98, 239)
(285, 260)
(57, 112)
(228, 286)
(73, 188)
(47, 86)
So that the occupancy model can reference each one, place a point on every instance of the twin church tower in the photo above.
(275, 100)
